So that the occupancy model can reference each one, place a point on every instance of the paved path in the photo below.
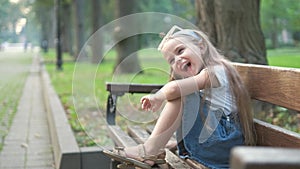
(28, 145)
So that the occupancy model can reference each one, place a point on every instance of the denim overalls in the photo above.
(207, 135)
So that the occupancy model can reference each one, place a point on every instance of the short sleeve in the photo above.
(221, 75)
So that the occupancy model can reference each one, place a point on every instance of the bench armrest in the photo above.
(132, 88)
(119, 89)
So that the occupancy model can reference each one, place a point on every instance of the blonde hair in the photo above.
(212, 57)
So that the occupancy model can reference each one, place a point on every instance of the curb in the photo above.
(65, 149)
(67, 153)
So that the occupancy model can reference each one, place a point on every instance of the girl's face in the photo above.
(184, 59)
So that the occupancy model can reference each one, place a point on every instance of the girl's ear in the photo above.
(202, 47)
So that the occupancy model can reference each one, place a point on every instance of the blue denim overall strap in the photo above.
(207, 138)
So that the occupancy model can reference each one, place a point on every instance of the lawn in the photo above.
(81, 88)
(287, 57)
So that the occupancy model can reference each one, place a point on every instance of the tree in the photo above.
(277, 16)
(4, 20)
(59, 61)
(97, 22)
(9, 19)
(234, 28)
(43, 11)
(79, 27)
(127, 59)
(66, 26)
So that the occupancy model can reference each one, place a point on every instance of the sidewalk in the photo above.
(28, 144)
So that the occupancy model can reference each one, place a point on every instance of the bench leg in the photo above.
(111, 109)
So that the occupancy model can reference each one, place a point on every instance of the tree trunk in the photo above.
(79, 27)
(206, 18)
(234, 28)
(127, 60)
(97, 49)
(66, 28)
(47, 27)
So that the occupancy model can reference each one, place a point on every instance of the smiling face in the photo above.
(184, 58)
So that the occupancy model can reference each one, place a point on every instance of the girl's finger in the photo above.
(142, 100)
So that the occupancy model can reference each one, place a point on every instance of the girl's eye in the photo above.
(180, 50)
(171, 61)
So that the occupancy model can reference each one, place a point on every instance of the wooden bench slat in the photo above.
(264, 158)
(275, 85)
(271, 135)
(174, 161)
(120, 137)
(195, 164)
(149, 129)
(132, 88)
(141, 135)
(138, 134)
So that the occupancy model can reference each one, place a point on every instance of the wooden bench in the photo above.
(276, 147)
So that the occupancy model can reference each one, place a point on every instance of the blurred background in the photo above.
(35, 21)
(259, 32)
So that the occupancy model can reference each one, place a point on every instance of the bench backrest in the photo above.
(275, 85)
(279, 86)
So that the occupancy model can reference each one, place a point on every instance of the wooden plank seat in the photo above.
(137, 135)
(275, 85)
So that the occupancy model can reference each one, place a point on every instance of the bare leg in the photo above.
(166, 125)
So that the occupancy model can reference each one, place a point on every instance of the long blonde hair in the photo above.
(212, 57)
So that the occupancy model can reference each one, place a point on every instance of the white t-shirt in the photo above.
(221, 97)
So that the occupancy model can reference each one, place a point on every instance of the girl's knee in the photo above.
(178, 100)
(173, 105)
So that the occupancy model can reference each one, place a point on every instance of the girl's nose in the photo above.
(177, 59)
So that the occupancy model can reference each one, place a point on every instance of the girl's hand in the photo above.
(151, 103)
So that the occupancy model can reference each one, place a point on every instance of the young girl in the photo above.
(206, 103)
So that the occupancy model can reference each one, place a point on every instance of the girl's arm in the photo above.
(183, 87)
(175, 89)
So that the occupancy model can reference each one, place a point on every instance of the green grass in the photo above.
(287, 57)
(81, 88)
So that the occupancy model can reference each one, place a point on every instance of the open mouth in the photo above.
(185, 66)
